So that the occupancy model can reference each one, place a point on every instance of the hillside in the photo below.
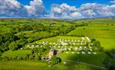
(47, 44)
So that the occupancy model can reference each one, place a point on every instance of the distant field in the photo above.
(105, 33)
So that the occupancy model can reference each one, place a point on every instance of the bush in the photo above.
(0, 53)
(31, 57)
(92, 40)
(109, 62)
(55, 60)
(0, 58)
(37, 57)
(13, 46)
(97, 44)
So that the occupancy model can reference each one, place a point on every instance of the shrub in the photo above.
(55, 60)
(37, 57)
(13, 46)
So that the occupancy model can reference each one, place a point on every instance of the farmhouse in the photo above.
(52, 52)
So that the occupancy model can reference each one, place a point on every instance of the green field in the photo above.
(31, 65)
(86, 44)
(105, 33)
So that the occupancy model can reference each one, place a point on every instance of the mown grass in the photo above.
(22, 65)
(17, 53)
(31, 65)
(105, 33)
(96, 59)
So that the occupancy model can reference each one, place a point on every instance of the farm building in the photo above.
(52, 52)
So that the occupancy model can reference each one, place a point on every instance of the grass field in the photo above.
(60, 36)
(89, 59)
(103, 32)
(54, 39)
(22, 65)
(31, 65)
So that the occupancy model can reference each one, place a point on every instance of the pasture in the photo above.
(27, 44)
(105, 33)
(31, 65)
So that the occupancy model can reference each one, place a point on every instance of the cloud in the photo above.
(11, 8)
(88, 13)
(106, 11)
(88, 10)
(89, 6)
(64, 11)
(113, 1)
(36, 8)
(97, 10)
(66, 7)
(76, 15)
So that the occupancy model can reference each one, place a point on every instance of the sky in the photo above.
(76, 3)
(57, 8)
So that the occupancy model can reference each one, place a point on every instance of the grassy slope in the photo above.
(54, 39)
(91, 59)
(31, 65)
(22, 65)
(88, 59)
(16, 53)
(104, 32)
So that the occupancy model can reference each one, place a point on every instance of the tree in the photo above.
(37, 57)
(97, 44)
(0, 52)
(92, 40)
(13, 46)
(109, 61)
(55, 60)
